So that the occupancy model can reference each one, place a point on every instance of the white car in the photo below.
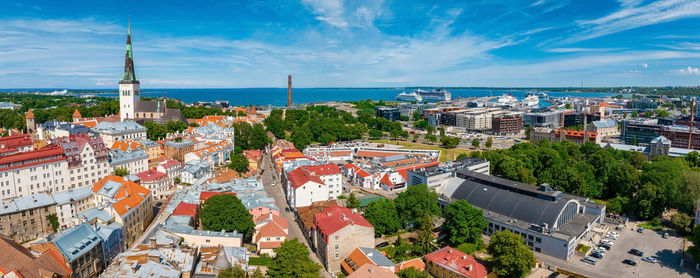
(613, 233)
(600, 249)
(611, 237)
(608, 242)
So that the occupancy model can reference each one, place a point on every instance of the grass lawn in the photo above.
(260, 261)
(651, 227)
(445, 154)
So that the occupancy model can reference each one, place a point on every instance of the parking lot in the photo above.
(665, 250)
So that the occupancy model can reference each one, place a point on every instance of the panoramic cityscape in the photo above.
(353, 139)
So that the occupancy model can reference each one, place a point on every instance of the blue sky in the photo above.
(336, 43)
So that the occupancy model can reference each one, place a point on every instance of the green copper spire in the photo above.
(129, 75)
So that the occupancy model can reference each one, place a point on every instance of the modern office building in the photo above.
(389, 113)
(639, 131)
(507, 124)
(551, 119)
(680, 134)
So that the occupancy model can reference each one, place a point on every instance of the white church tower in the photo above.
(129, 87)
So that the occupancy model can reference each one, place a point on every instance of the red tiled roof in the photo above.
(458, 262)
(15, 141)
(170, 163)
(204, 195)
(76, 114)
(151, 175)
(30, 115)
(270, 244)
(416, 263)
(303, 174)
(185, 209)
(48, 154)
(335, 218)
(385, 180)
(272, 229)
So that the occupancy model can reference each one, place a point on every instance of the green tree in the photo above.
(420, 124)
(177, 180)
(449, 141)
(430, 129)
(238, 162)
(649, 202)
(463, 223)
(411, 272)
(695, 239)
(682, 222)
(489, 142)
(53, 220)
(122, 172)
(232, 272)
(375, 133)
(352, 201)
(424, 242)
(635, 114)
(510, 256)
(416, 201)
(431, 138)
(293, 260)
(258, 137)
(257, 274)
(462, 156)
(395, 133)
(226, 212)
(383, 216)
(475, 143)
(442, 131)
(416, 136)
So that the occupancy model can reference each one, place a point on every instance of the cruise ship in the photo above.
(507, 99)
(530, 100)
(412, 96)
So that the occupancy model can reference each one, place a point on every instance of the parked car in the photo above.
(614, 233)
(636, 252)
(599, 249)
(607, 247)
(650, 259)
(611, 237)
(629, 262)
(597, 255)
(382, 245)
(641, 229)
(608, 242)
(665, 235)
(590, 260)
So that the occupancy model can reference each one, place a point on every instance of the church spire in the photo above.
(129, 74)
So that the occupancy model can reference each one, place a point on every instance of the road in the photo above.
(277, 193)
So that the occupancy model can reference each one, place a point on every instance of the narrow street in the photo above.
(276, 192)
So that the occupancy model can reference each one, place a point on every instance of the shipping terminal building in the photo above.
(550, 221)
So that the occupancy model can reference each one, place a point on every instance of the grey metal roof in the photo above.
(119, 127)
(377, 257)
(184, 143)
(65, 197)
(76, 241)
(97, 213)
(118, 157)
(26, 203)
(148, 143)
(605, 123)
(516, 206)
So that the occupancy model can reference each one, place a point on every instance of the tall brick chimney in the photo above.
(289, 90)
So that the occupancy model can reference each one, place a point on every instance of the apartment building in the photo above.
(87, 159)
(32, 172)
(111, 132)
(338, 231)
(134, 162)
(26, 218)
(308, 184)
(177, 150)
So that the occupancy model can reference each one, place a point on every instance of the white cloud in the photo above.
(537, 3)
(631, 17)
(689, 70)
(329, 11)
(342, 14)
(580, 49)
(645, 66)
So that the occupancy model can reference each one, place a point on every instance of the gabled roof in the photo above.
(458, 262)
(416, 263)
(30, 115)
(151, 175)
(304, 174)
(76, 241)
(336, 218)
(185, 209)
(128, 194)
(76, 114)
(370, 271)
(274, 228)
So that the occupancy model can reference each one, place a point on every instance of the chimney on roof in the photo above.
(449, 250)
(464, 257)
(370, 270)
(469, 268)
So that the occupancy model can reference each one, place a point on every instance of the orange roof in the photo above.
(457, 262)
(88, 123)
(273, 228)
(76, 114)
(358, 258)
(240, 109)
(30, 115)
(126, 146)
(372, 271)
(270, 244)
(130, 194)
(416, 263)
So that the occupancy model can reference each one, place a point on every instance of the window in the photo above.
(337, 256)
(537, 239)
(337, 247)
(537, 249)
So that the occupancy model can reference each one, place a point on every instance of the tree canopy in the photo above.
(510, 256)
(226, 212)
(292, 260)
(463, 223)
(238, 162)
(629, 182)
(383, 216)
(415, 202)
